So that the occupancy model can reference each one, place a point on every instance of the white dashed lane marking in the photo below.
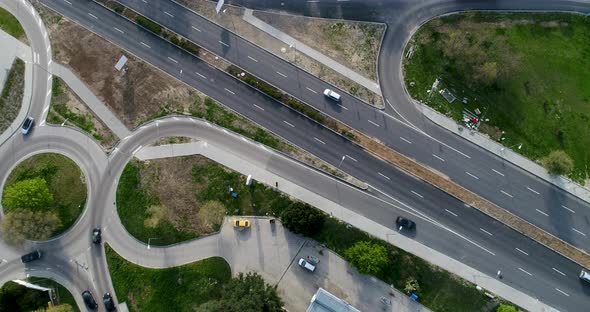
(490, 234)
(472, 175)
(381, 174)
(506, 194)
(168, 14)
(255, 60)
(319, 140)
(437, 157)
(521, 251)
(289, 123)
(566, 208)
(454, 214)
(558, 271)
(498, 172)
(417, 194)
(374, 123)
(521, 269)
(530, 189)
(260, 108)
(311, 90)
(406, 140)
(145, 44)
(541, 212)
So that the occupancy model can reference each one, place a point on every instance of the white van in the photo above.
(333, 95)
(306, 265)
(585, 276)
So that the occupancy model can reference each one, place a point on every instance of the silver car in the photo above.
(333, 95)
(27, 125)
(585, 276)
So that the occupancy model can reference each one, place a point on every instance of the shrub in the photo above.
(506, 308)
(367, 257)
(558, 162)
(148, 24)
(303, 219)
(26, 224)
(30, 193)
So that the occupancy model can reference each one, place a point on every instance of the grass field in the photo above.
(182, 288)
(174, 199)
(439, 290)
(64, 180)
(10, 24)
(527, 73)
(12, 94)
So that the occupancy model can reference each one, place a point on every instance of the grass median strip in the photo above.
(12, 94)
(10, 25)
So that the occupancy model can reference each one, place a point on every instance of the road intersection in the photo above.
(455, 230)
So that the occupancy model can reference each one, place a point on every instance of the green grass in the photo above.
(212, 180)
(439, 290)
(181, 288)
(12, 94)
(10, 24)
(541, 95)
(64, 180)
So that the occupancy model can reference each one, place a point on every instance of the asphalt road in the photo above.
(503, 183)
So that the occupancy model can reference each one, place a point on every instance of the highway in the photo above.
(444, 223)
(503, 183)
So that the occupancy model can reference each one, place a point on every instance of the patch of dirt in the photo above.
(211, 215)
(232, 20)
(173, 140)
(142, 92)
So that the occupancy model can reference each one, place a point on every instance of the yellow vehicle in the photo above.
(241, 223)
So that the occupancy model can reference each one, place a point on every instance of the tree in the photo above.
(367, 257)
(506, 308)
(487, 72)
(249, 293)
(558, 162)
(412, 286)
(30, 193)
(58, 308)
(303, 219)
(24, 224)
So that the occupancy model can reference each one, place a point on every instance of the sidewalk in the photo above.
(507, 154)
(11, 49)
(258, 168)
(88, 97)
(316, 55)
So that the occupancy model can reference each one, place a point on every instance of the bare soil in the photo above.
(143, 92)
(232, 20)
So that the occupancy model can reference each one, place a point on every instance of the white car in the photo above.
(333, 95)
(585, 276)
(306, 265)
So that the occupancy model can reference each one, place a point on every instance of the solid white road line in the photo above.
(566, 208)
(561, 291)
(168, 14)
(145, 44)
(260, 108)
(454, 214)
(173, 60)
(319, 140)
(558, 271)
(525, 271)
(198, 74)
(351, 158)
(578, 232)
(285, 76)
(521, 251)
(506, 194)
(117, 29)
(472, 175)
(228, 90)
(195, 28)
(288, 123)
(225, 44)
(438, 157)
(490, 234)
(311, 90)
(375, 124)
(498, 172)
(530, 189)
(541, 212)
(381, 174)
(406, 140)
(94, 16)
(255, 60)
(417, 194)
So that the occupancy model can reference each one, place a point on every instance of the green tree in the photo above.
(58, 308)
(367, 257)
(24, 224)
(249, 293)
(506, 308)
(303, 219)
(30, 193)
(14, 297)
(558, 162)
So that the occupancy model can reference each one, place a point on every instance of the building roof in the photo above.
(323, 301)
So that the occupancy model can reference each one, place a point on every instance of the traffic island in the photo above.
(42, 197)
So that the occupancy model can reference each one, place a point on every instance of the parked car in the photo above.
(404, 223)
(241, 223)
(89, 300)
(31, 256)
(27, 125)
(585, 276)
(333, 95)
(306, 265)
(96, 236)
(109, 304)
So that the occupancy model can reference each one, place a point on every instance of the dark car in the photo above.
(89, 300)
(109, 304)
(32, 256)
(404, 223)
(27, 125)
(96, 237)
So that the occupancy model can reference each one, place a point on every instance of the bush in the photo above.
(250, 293)
(558, 162)
(26, 224)
(148, 24)
(506, 308)
(367, 257)
(303, 219)
(30, 193)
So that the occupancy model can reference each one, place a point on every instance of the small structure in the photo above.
(323, 301)
(450, 97)
(121, 62)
